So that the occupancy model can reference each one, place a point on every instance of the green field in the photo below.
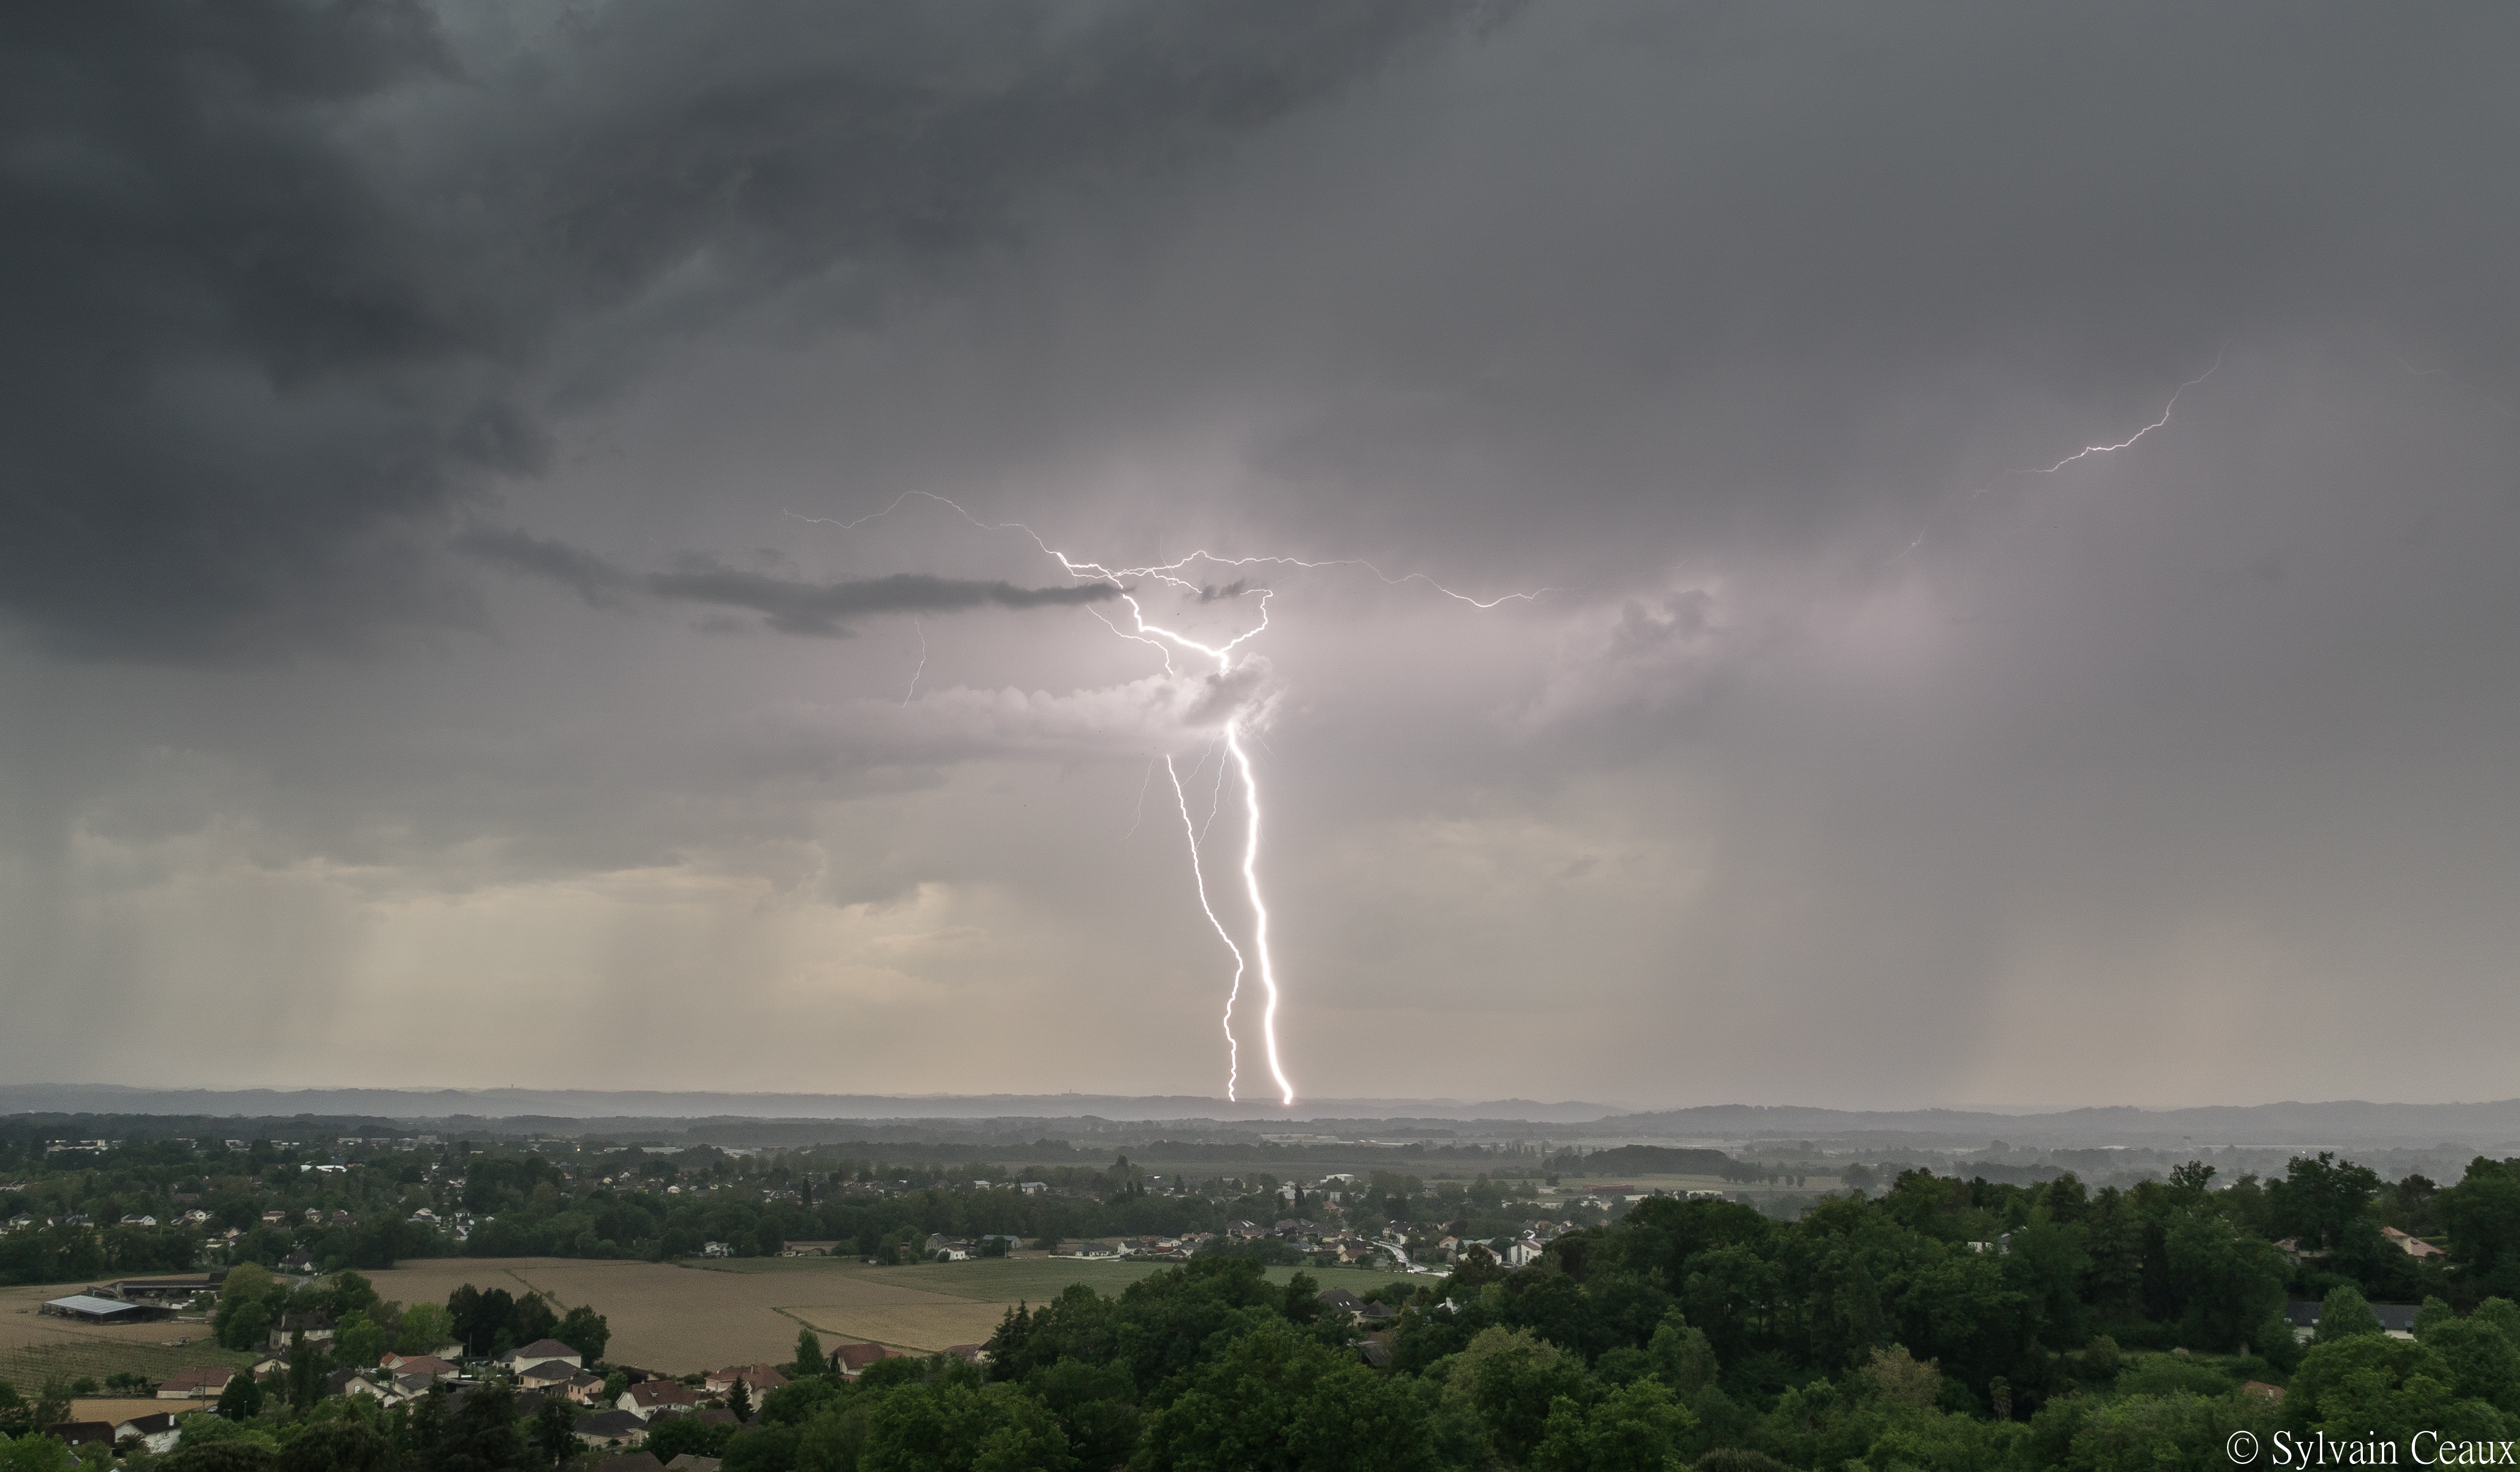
(28, 1365)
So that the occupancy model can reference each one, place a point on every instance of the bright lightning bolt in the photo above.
(1165, 642)
(1223, 654)
(1260, 926)
(923, 664)
(2088, 450)
(1233, 1050)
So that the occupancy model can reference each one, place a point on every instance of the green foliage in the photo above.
(1509, 1380)
(240, 1322)
(2150, 1433)
(799, 1401)
(425, 1329)
(242, 1400)
(1742, 1458)
(1096, 1405)
(2275, 1343)
(2227, 1282)
(51, 1405)
(2372, 1385)
(359, 1341)
(2345, 1315)
(672, 1436)
(2173, 1374)
(762, 1448)
(336, 1447)
(995, 1428)
(34, 1452)
(585, 1331)
(2484, 1364)
(2482, 1216)
(1895, 1376)
(1635, 1428)
(555, 1433)
(481, 1433)
(809, 1359)
(1277, 1398)
(237, 1456)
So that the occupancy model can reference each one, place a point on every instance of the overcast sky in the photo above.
(452, 631)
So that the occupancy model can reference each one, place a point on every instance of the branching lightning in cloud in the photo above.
(1125, 583)
(2166, 410)
(2083, 453)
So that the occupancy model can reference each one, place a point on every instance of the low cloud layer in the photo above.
(787, 605)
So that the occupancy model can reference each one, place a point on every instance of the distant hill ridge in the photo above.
(2491, 1128)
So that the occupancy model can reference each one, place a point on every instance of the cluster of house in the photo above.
(2406, 1242)
(544, 1369)
(627, 1421)
(156, 1432)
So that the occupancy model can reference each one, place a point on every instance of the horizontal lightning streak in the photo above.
(1165, 571)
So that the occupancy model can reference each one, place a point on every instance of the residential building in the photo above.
(2397, 1320)
(200, 1384)
(540, 1351)
(610, 1428)
(318, 1328)
(758, 1380)
(2411, 1246)
(851, 1359)
(157, 1431)
(647, 1397)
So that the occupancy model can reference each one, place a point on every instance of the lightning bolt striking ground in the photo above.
(1260, 924)
(1232, 1050)
(1165, 641)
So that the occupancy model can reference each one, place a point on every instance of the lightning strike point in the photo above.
(1165, 642)
(1259, 909)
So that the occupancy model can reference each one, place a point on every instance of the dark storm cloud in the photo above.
(788, 605)
(281, 275)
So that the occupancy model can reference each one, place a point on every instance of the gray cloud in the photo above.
(786, 604)
(290, 282)
(1850, 761)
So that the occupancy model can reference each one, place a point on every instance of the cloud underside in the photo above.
(788, 606)
(292, 287)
